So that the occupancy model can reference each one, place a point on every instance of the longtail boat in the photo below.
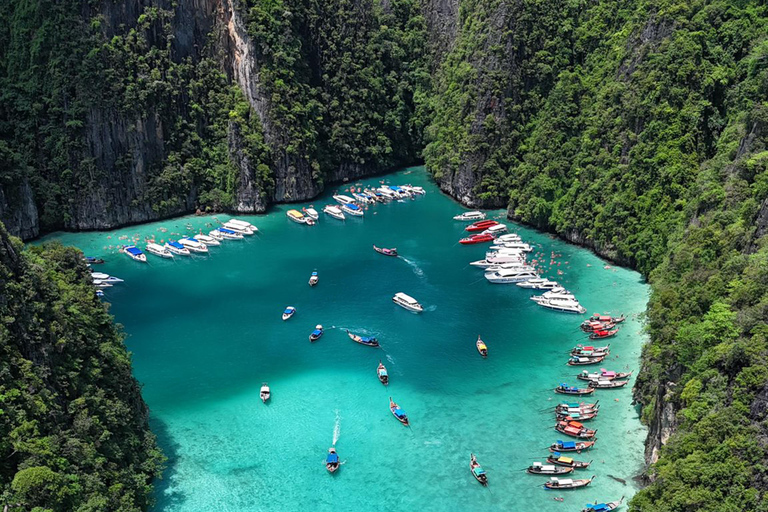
(480, 225)
(476, 470)
(591, 326)
(581, 350)
(315, 335)
(561, 460)
(602, 334)
(332, 460)
(585, 360)
(576, 416)
(571, 446)
(381, 373)
(603, 374)
(398, 413)
(481, 347)
(581, 407)
(567, 483)
(608, 318)
(564, 389)
(603, 507)
(363, 340)
(385, 251)
(537, 468)
(607, 384)
(575, 429)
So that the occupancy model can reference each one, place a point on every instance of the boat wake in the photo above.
(414, 266)
(430, 308)
(337, 428)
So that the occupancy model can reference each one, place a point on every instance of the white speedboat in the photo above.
(244, 224)
(216, 235)
(98, 283)
(386, 191)
(193, 244)
(238, 228)
(135, 253)
(565, 305)
(288, 312)
(341, 199)
(499, 259)
(177, 248)
(353, 209)
(510, 275)
(207, 240)
(334, 211)
(490, 263)
(509, 237)
(514, 265)
(495, 230)
(265, 393)
(101, 276)
(399, 191)
(538, 284)
(555, 293)
(407, 302)
(470, 216)
(296, 216)
(415, 191)
(311, 213)
(159, 250)
(228, 234)
(363, 198)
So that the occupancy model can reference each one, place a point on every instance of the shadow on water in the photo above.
(166, 495)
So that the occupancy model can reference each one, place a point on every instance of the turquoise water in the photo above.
(205, 332)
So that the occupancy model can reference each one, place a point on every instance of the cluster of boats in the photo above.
(233, 229)
(102, 280)
(353, 205)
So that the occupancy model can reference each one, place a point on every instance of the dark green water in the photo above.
(206, 331)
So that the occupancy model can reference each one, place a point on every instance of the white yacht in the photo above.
(238, 228)
(228, 234)
(243, 224)
(216, 235)
(414, 190)
(98, 283)
(334, 211)
(352, 209)
(495, 230)
(387, 192)
(343, 199)
(265, 392)
(557, 292)
(509, 237)
(101, 276)
(470, 216)
(311, 213)
(177, 248)
(193, 244)
(538, 284)
(517, 262)
(363, 198)
(135, 253)
(407, 302)
(519, 265)
(510, 275)
(519, 246)
(504, 258)
(566, 305)
(159, 250)
(207, 240)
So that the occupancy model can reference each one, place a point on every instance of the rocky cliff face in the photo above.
(18, 211)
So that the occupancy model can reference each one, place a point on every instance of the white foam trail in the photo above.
(337, 428)
(415, 267)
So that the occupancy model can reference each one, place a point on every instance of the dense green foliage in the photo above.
(73, 427)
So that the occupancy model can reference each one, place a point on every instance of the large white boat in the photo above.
(244, 224)
(177, 248)
(135, 253)
(517, 246)
(352, 209)
(503, 258)
(510, 275)
(557, 292)
(334, 211)
(296, 216)
(495, 230)
(509, 237)
(414, 190)
(388, 192)
(238, 228)
(193, 244)
(363, 198)
(207, 239)
(470, 216)
(159, 250)
(101, 276)
(564, 304)
(519, 265)
(216, 234)
(399, 191)
(311, 213)
(98, 283)
(538, 284)
(518, 262)
(341, 199)
(407, 302)
(228, 234)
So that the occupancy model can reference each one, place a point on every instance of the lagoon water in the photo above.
(205, 332)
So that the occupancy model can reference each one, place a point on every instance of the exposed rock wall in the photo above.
(18, 211)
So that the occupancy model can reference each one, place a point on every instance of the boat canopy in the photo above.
(314, 273)
(567, 444)
(317, 332)
(399, 412)
(332, 458)
(133, 250)
(227, 231)
(565, 460)
(478, 471)
(176, 245)
(289, 310)
(598, 507)
(564, 481)
(406, 298)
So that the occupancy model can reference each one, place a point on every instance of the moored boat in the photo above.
(567, 483)
(495, 230)
(537, 468)
(585, 360)
(101, 276)
(576, 416)
(398, 413)
(296, 216)
(608, 319)
(407, 302)
(480, 225)
(381, 373)
(193, 244)
(158, 250)
(207, 239)
(571, 446)
(564, 389)
(515, 246)
(477, 471)
(243, 224)
(559, 459)
(264, 393)
(564, 305)
(580, 408)
(592, 326)
(289, 312)
(314, 279)
(311, 213)
(510, 276)
(476, 239)
(91, 260)
(575, 429)
(363, 340)
(353, 209)
(238, 227)
(589, 350)
(135, 253)
(177, 248)
(385, 251)
(599, 335)
(603, 507)
(538, 284)
(316, 334)
(607, 384)
(334, 211)
(216, 235)
(332, 460)
(228, 234)
(475, 215)
(481, 347)
(603, 374)
(342, 199)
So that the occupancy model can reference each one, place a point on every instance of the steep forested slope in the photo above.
(73, 426)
